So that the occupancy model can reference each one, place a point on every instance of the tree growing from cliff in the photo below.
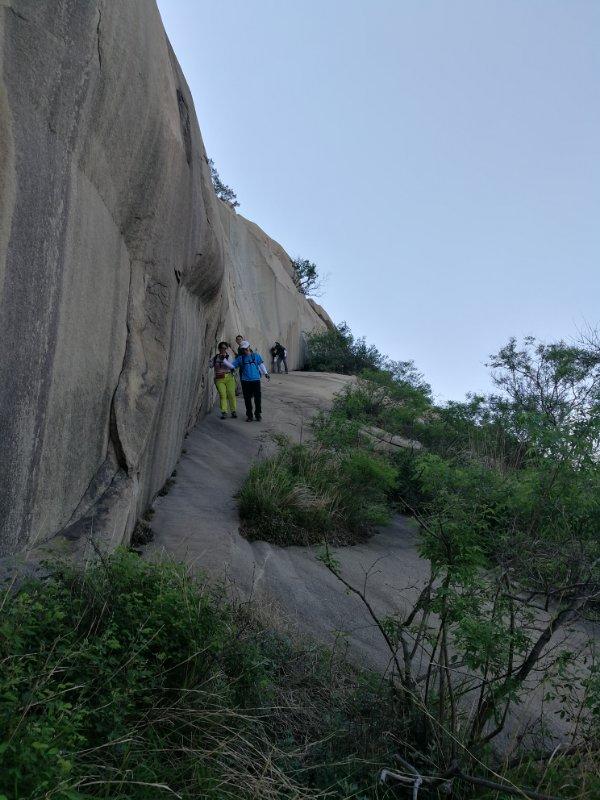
(222, 191)
(306, 276)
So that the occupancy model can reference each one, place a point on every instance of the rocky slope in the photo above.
(119, 269)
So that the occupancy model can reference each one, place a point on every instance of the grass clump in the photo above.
(133, 681)
(119, 681)
(306, 494)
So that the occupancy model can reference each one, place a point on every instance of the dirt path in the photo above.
(197, 523)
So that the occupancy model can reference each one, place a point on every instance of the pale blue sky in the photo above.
(440, 159)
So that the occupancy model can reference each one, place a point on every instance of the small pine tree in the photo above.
(306, 276)
(223, 192)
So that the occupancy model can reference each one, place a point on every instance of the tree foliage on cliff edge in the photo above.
(306, 276)
(222, 191)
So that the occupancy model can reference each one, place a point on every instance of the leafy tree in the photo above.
(223, 192)
(550, 397)
(507, 496)
(306, 276)
(336, 350)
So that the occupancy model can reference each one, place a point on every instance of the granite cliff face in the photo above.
(119, 269)
(262, 301)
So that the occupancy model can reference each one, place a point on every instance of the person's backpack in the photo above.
(244, 362)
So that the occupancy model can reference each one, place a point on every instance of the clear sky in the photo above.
(439, 159)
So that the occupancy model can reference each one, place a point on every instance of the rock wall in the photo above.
(263, 303)
(119, 269)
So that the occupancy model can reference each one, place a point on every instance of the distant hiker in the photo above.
(251, 368)
(281, 356)
(238, 385)
(224, 381)
(239, 339)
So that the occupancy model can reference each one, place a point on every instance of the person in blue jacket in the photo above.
(251, 368)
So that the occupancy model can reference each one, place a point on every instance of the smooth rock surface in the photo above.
(385, 442)
(263, 304)
(198, 523)
(117, 274)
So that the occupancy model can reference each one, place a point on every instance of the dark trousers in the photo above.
(251, 389)
(281, 360)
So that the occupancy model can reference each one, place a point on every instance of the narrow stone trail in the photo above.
(197, 523)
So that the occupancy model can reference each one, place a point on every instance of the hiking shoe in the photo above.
(223, 415)
(233, 415)
(258, 417)
(248, 419)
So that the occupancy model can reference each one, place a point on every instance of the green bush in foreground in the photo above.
(107, 681)
(132, 681)
(306, 494)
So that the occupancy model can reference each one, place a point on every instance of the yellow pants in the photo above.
(226, 389)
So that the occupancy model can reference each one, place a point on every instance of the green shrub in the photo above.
(133, 681)
(335, 432)
(306, 494)
(377, 398)
(576, 777)
(336, 350)
(109, 678)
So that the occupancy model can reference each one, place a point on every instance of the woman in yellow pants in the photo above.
(225, 382)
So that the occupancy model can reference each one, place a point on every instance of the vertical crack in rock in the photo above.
(184, 118)
(114, 431)
(113, 427)
(98, 34)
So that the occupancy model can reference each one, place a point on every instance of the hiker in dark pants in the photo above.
(281, 356)
(251, 368)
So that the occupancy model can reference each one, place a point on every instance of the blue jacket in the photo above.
(248, 366)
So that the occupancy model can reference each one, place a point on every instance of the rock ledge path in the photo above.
(197, 523)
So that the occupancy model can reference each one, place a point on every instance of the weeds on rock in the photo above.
(142, 533)
(461, 658)
(169, 483)
(505, 492)
(306, 493)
